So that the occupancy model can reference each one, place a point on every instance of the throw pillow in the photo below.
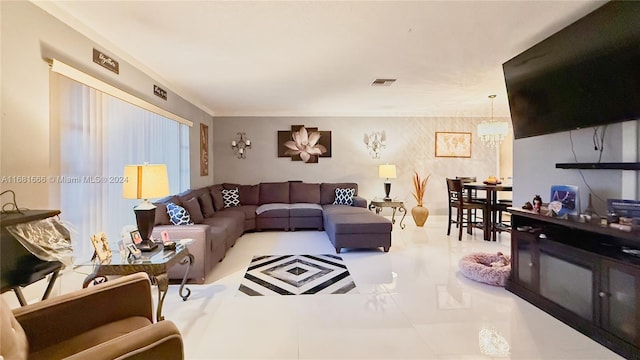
(178, 215)
(230, 198)
(344, 196)
(162, 218)
(193, 208)
(206, 204)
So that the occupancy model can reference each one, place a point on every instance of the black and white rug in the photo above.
(296, 275)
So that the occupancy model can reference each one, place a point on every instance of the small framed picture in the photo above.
(134, 251)
(101, 246)
(135, 237)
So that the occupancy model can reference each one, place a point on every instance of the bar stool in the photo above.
(502, 225)
(474, 197)
(462, 204)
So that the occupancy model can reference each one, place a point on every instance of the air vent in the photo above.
(383, 82)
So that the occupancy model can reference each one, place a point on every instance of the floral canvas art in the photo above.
(304, 144)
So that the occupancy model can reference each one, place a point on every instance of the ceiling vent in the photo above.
(383, 82)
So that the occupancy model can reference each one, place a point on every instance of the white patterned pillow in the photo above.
(178, 215)
(344, 196)
(230, 198)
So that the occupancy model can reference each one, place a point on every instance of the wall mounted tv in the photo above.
(587, 74)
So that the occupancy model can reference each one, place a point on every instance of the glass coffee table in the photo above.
(155, 263)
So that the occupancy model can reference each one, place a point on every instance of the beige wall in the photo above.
(29, 35)
(410, 145)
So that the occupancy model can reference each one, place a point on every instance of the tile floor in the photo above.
(411, 303)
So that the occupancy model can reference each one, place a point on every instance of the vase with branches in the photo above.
(420, 213)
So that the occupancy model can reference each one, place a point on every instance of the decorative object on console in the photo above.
(304, 144)
(388, 172)
(453, 144)
(241, 145)
(492, 132)
(537, 203)
(375, 142)
(568, 196)
(419, 212)
(144, 182)
(204, 150)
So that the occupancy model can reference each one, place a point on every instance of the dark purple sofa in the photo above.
(287, 206)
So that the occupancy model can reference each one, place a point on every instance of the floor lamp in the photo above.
(145, 182)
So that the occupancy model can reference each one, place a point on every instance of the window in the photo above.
(98, 135)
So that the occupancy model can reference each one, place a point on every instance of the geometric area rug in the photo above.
(296, 275)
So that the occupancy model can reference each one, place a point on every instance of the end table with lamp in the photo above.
(144, 182)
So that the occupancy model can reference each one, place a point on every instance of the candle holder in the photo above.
(241, 145)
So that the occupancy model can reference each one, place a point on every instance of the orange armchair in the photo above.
(113, 320)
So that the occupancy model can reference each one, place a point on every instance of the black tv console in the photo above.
(586, 275)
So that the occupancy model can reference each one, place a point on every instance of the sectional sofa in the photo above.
(216, 216)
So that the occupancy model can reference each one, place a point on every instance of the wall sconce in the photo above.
(375, 143)
(241, 145)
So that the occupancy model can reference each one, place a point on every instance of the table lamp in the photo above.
(144, 182)
(389, 172)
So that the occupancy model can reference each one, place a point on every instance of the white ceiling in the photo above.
(312, 58)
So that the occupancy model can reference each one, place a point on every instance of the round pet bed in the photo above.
(492, 269)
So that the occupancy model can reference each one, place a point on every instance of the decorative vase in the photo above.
(420, 214)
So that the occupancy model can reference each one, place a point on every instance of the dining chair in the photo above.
(462, 204)
(474, 196)
(502, 224)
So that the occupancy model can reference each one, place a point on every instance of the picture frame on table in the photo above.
(134, 251)
(101, 246)
(135, 237)
(565, 199)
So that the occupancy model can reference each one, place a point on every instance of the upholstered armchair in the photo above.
(113, 320)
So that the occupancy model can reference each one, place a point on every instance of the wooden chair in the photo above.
(502, 224)
(462, 205)
(474, 196)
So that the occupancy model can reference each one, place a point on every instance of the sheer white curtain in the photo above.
(98, 136)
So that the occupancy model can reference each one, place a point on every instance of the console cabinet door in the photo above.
(620, 300)
(567, 278)
(525, 260)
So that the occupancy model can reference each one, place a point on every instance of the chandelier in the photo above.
(375, 142)
(492, 132)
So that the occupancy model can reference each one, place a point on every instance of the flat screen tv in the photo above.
(587, 74)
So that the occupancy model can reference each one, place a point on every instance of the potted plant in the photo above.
(419, 212)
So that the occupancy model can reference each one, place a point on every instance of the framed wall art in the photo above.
(304, 144)
(204, 150)
(453, 144)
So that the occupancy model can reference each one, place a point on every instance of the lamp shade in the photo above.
(145, 181)
(387, 171)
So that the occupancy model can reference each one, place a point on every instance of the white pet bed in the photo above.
(492, 269)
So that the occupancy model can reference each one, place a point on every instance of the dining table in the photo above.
(490, 216)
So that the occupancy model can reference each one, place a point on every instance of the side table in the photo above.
(396, 205)
(155, 264)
